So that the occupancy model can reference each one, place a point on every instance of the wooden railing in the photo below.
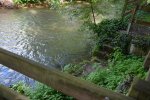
(8, 94)
(65, 83)
(140, 89)
(137, 6)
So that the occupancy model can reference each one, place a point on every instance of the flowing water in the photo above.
(43, 35)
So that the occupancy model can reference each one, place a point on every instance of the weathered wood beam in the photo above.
(148, 76)
(124, 8)
(67, 84)
(145, 8)
(129, 12)
(145, 23)
(9, 94)
(147, 61)
(140, 89)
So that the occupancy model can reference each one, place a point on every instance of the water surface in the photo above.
(43, 35)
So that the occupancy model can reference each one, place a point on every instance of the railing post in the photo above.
(9, 94)
(124, 9)
(148, 76)
(140, 90)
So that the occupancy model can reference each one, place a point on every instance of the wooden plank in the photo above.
(128, 12)
(148, 76)
(9, 94)
(145, 8)
(142, 22)
(131, 1)
(140, 90)
(147, 61)
(124, 9)
(67, 84)
(132, 18)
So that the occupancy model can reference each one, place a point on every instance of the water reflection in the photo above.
(42, 35)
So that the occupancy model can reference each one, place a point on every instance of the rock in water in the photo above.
(7, 3)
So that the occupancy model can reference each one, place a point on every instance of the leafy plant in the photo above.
(123, 42)
(110, 27)
(108, 33)
(74, 69)
(40, 92)
(20, 87)
(142, 42)
(28, 1)
(120, 68)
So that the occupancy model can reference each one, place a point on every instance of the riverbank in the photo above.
(28, 5)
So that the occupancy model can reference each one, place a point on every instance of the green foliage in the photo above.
(73, 69)
(40, 92)
(108, 33)
(20, 87)
(123, 42)
(142, 42)
(28, 1)
(119, 68)
(109, 27)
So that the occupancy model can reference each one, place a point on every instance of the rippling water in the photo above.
(43, 35)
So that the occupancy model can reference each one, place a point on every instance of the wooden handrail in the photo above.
(65, 83)
(148, 76)
(147, 61)
(9, 94)
(140, 89)
(145, 23)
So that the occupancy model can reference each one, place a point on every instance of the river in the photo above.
(43, 35)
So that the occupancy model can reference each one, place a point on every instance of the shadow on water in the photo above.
(42, 35)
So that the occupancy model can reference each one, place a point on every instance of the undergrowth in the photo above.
(40, 92)
(120, 69)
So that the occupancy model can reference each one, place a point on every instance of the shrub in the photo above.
(40, 92)
(27, 1)
(120, 68)
(74, 69)
(108, 33)
(109, 27)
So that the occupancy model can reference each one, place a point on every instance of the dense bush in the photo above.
(40, 92)
(142, 42)
(123, 42)
(108, 33)
(120, 68)
(28, 1)
(74, 69)
(109, 27)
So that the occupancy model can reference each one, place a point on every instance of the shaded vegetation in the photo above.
(120, 69)
(40, 92)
